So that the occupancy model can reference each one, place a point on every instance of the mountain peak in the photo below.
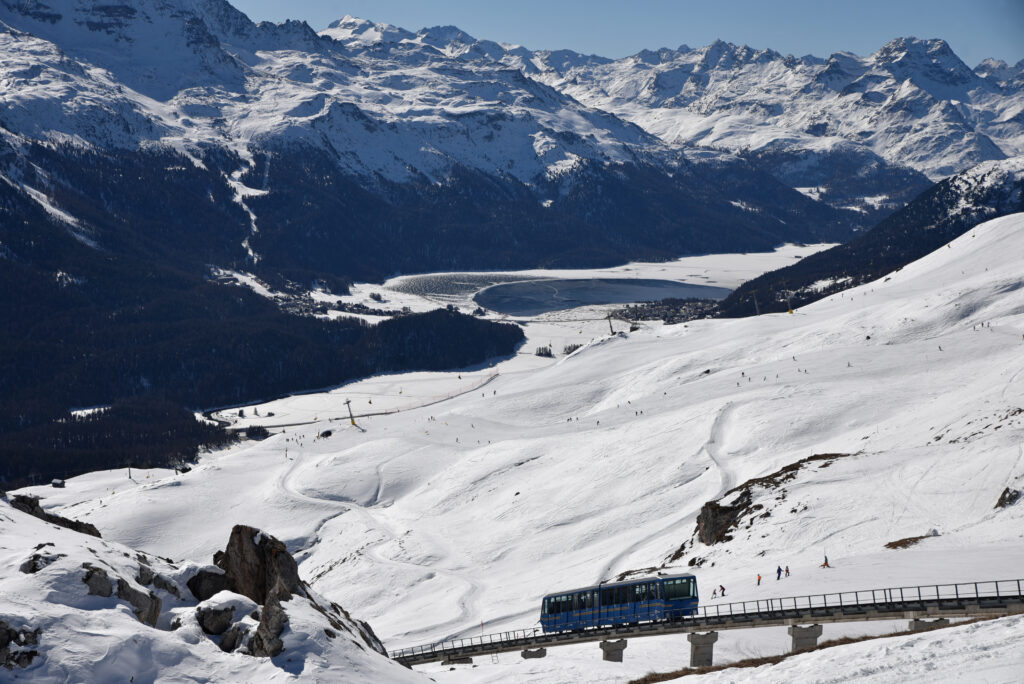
(931, 64)
(358, 31)
(442, 36)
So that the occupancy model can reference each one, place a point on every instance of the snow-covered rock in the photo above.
(78, 608)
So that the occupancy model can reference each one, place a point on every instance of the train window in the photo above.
(678, 589)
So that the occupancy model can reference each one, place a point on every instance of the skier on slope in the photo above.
(722, 589)
(759, 579)
(778, 573)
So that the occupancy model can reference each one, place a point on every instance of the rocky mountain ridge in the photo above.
(943, 213)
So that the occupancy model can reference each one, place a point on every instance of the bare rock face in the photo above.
(232, 638)
(30, 505)
(97, 581)
(214, 621)
(38, 561)
(147, 577)
(259, 566)
(205, 584)
(715, 520)
(1008, 498)
(146, 606)
(267, 642)
(161, 582)
(11, 639)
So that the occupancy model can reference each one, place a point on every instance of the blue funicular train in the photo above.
(667, 597)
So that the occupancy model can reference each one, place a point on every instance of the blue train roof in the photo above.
(623, 583)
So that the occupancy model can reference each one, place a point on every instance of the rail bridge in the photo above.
(925, 606)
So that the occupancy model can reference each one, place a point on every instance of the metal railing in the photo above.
(893, 598)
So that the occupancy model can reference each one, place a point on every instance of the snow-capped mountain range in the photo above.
(413, 155)
(912, 104)
(393, 106)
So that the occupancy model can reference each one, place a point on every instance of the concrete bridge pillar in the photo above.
(612, 650)
(535, 653)
(702, 647)
(804, 638)
(918, 625)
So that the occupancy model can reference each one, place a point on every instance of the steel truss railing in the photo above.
(890, 599)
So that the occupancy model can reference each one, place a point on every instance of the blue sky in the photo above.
(974, 28)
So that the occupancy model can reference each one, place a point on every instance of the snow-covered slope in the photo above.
(460, 515)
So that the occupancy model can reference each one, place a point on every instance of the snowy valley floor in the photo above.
(457, 517)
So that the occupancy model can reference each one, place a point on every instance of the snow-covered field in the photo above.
(556, 329)
(457, 517)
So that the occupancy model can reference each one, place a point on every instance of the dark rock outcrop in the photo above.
(147, 577)
(267, 642)
(205, 584)
(1008, 498)
(259, 566)
(161, 582)
(30, 505)
(146, 606)
(38, 561)
(233, 638)
(715, 520)
(10, 639)
(214, 620)
(97, 581)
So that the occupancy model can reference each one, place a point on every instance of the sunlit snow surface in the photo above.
(431, 521)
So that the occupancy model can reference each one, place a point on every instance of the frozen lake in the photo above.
(533, 297)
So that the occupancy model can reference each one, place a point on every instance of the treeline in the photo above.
(142, 432)
(192, 360)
